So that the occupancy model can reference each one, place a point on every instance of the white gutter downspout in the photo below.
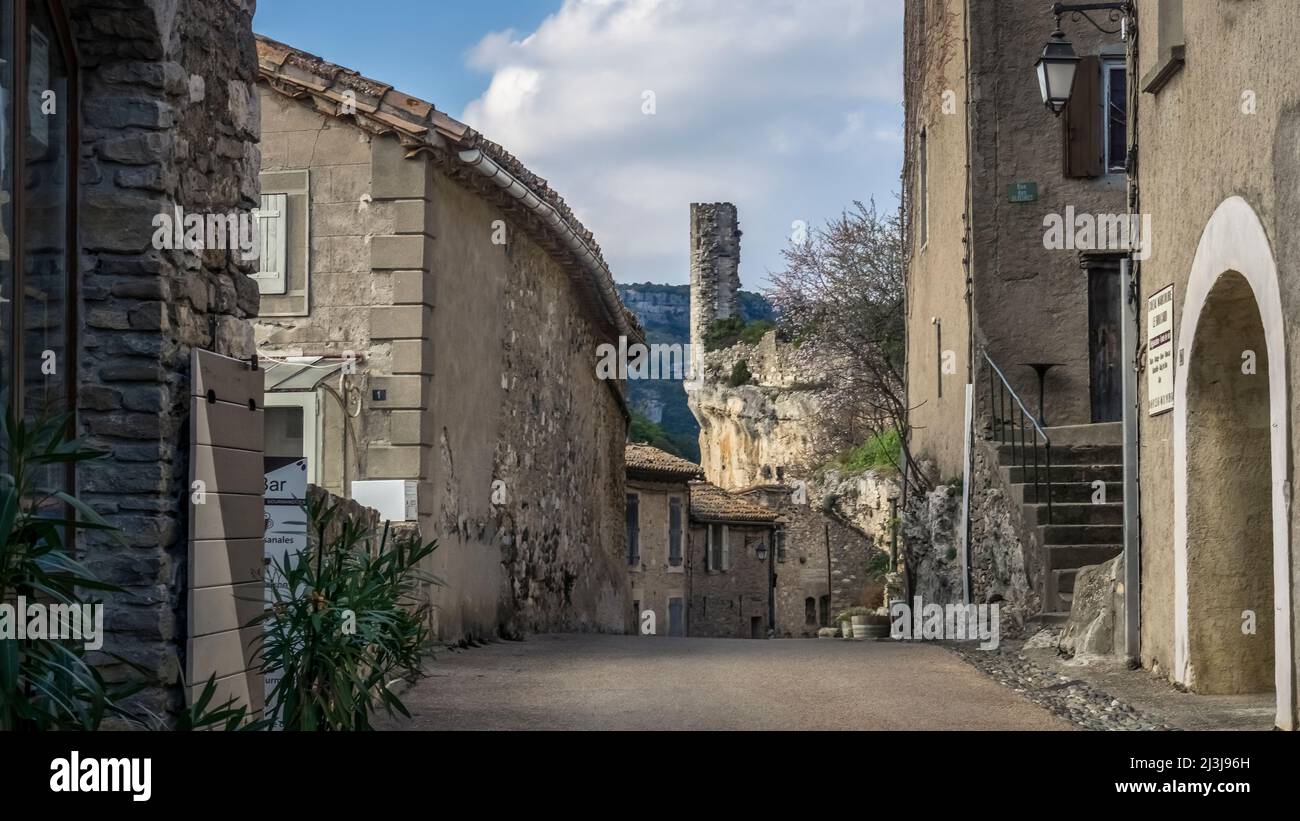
(476, 159)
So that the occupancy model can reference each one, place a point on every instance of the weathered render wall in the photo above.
(516, 399)
(724, 603)
(653, 579)
(1201, 144)
(169, 117)
(1031, 302)
(937, 310)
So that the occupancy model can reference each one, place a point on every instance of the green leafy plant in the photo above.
(724, 333)
(229, 715)
(47, 684)
(740, 374)
(346, 623)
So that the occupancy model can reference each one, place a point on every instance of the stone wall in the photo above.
(725, 604)
(1003, 556)
(169, 118)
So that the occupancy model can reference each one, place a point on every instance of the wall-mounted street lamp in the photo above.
(761, 551)
(1058, 61)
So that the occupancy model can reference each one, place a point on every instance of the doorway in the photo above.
(1104, 367)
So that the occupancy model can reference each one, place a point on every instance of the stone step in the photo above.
(1062, 455)
(1053, 618)
(1098, 433)
(1075, 513)
(1074, 556)
(1055, 534)
(1066, 473)
(1027, 494)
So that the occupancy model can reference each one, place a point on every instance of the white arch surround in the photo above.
(1234, 240)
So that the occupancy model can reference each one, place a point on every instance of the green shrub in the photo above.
(46, 684)
(724, 333)
(346, 623)
(740, 374)
(880, 452)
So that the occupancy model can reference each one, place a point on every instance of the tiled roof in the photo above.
(710, 503)
(380, 109)
(652, 463)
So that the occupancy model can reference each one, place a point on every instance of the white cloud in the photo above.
(789, 109)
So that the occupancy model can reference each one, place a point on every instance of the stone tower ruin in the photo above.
(715, 266)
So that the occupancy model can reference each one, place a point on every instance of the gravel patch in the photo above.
(1073, 699)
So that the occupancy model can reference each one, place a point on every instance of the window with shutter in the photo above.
(675, 532)
(272, 226)
(726, 549)
(633, 530)
(1081, 123)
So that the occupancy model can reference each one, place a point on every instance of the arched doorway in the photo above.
(1231, 543)
(1229, 532)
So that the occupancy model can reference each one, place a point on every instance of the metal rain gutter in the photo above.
(476, 159)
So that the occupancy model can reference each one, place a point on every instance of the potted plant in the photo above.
(856, 623)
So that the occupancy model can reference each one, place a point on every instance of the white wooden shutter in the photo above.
(272, 225)
(726, 549)
(708, 547)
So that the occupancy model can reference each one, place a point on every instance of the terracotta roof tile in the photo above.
(710, 503)
(651, 462)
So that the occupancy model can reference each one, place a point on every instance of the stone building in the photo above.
(730, 571)
(824, 561)
(1002, 288)
(1218, 562)
(126, 110)
(658, 509)
(438, 308)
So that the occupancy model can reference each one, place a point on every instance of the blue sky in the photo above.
(790, 109)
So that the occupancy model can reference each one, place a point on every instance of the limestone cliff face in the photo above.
(759, 431)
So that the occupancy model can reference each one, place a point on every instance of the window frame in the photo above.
(679, 565)
(18, 244)
(296, 186)
(311, 438)
(1109, 65)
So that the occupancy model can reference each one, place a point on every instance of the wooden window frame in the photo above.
(18, 244)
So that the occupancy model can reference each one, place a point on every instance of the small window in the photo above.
(633, 530)
(779, 538)
(810, 611)
(1115, 120)
(675, 532)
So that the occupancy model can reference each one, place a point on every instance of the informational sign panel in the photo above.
(1160, 351)
(1022, 192)
(286, 523)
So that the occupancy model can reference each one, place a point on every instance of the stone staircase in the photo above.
(1081, 533)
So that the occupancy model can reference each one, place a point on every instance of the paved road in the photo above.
(595, 682)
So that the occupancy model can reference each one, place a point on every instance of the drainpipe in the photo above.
(1132, 557)
(476, 159)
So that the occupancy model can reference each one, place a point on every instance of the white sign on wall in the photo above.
(286, 521)
(1160, 351)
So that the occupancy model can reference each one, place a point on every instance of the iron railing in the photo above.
(1005, 410)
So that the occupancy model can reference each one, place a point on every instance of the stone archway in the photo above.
(1231, 542)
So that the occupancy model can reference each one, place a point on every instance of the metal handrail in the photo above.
(999, 390)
